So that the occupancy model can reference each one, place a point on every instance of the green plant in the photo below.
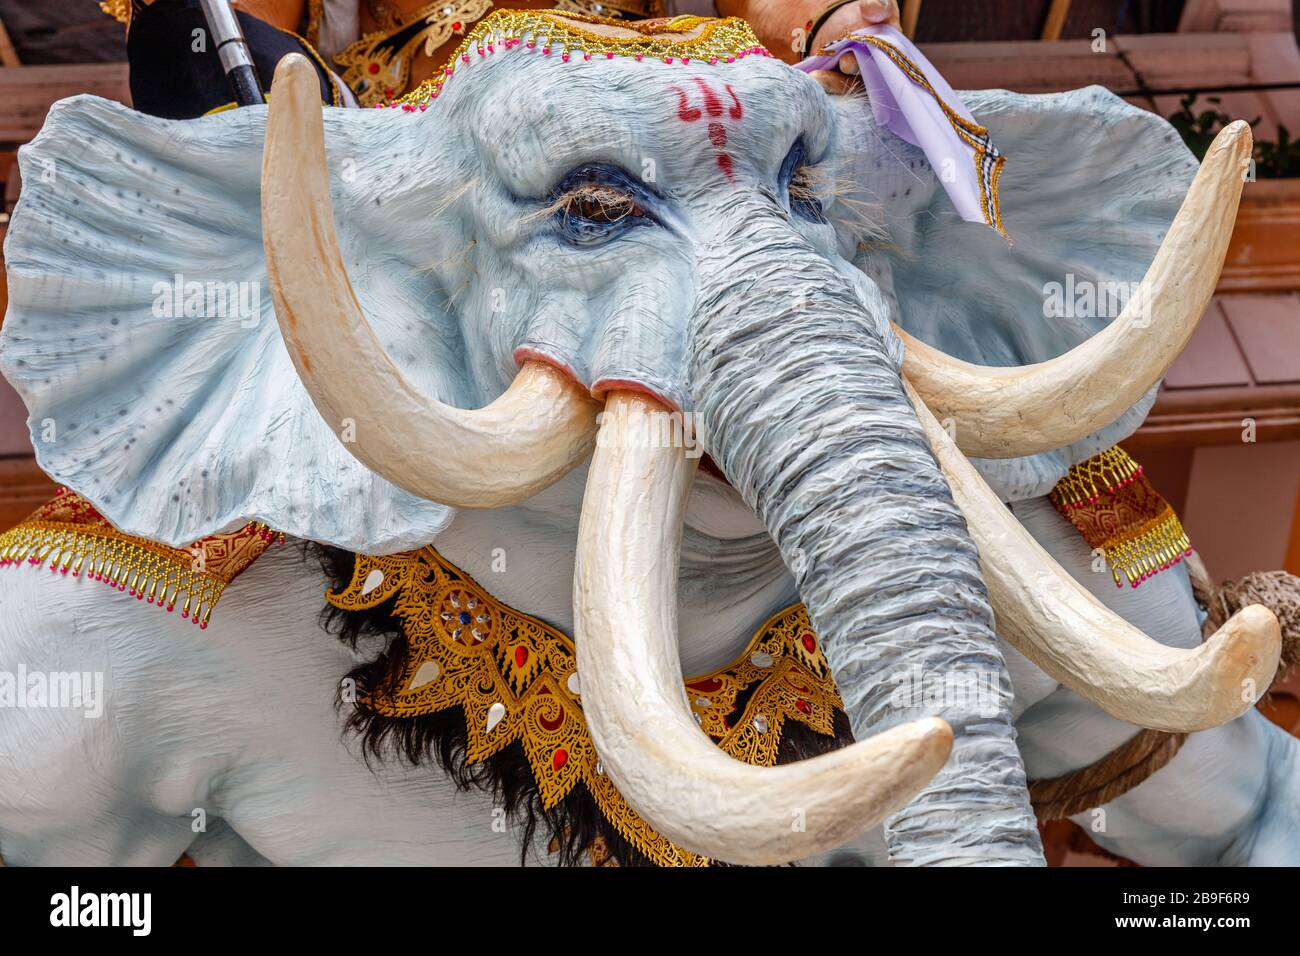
(1273, 160)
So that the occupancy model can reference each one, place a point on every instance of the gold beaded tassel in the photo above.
(1086, 482)
(564, 35)
(120, 562)
(1148, 552)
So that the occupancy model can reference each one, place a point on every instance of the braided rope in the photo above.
(1103, 780)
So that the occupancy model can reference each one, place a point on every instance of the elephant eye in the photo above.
(802, 183)
(599, 205)
(597, 202)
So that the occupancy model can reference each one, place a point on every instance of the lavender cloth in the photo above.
(957, 147)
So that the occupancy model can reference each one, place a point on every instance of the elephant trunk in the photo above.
(797, 384)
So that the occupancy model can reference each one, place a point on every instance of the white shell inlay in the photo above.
(426, 673)
(373, 580)
(574, 685)
(495, 715)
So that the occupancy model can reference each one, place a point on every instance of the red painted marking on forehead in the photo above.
(712, 105)
(685, 112)
(736, 111)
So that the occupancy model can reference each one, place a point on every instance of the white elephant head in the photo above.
(653, 220)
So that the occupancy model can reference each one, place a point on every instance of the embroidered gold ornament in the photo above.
(378, 66)
(619, 10)
(1111, 503)
(119, 10)
(567, 37)
(514, 678)
(69, 536)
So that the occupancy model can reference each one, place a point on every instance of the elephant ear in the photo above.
(1089, 189)
(141, 336)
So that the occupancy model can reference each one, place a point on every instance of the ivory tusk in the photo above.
(531, 436)
(1024, 410)
(1055, 622)
(625, 622)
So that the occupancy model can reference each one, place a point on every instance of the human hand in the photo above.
(845, 20)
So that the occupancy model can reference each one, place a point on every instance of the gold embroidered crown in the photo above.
(560, 34)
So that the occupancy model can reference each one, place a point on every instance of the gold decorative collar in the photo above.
(514, 679)
(559, 34)
(378, 66)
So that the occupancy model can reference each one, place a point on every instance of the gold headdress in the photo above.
(578, 36)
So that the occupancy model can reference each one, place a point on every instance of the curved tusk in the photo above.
(625, 621)
(1024, 410)
(1053, 620)
(532, 435)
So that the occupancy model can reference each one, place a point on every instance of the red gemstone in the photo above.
(559, 758)
(706, 686)
(803, 705)
(521, 656)
(373, 68)
(456, 26)
(809, 643)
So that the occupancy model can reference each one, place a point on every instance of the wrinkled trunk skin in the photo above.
(796, 382)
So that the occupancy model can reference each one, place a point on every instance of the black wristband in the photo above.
(814, 25)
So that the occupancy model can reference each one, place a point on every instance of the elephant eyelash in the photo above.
(803, 184)
(596, 203)
(807, 187)
(591, 212)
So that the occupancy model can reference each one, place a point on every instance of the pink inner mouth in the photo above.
(605, 386)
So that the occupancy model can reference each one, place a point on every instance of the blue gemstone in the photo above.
(463, 617)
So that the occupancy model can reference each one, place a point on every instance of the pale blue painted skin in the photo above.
(223, 433)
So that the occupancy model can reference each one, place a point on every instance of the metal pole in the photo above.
(232, 48)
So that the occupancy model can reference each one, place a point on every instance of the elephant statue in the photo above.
(572, 374)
